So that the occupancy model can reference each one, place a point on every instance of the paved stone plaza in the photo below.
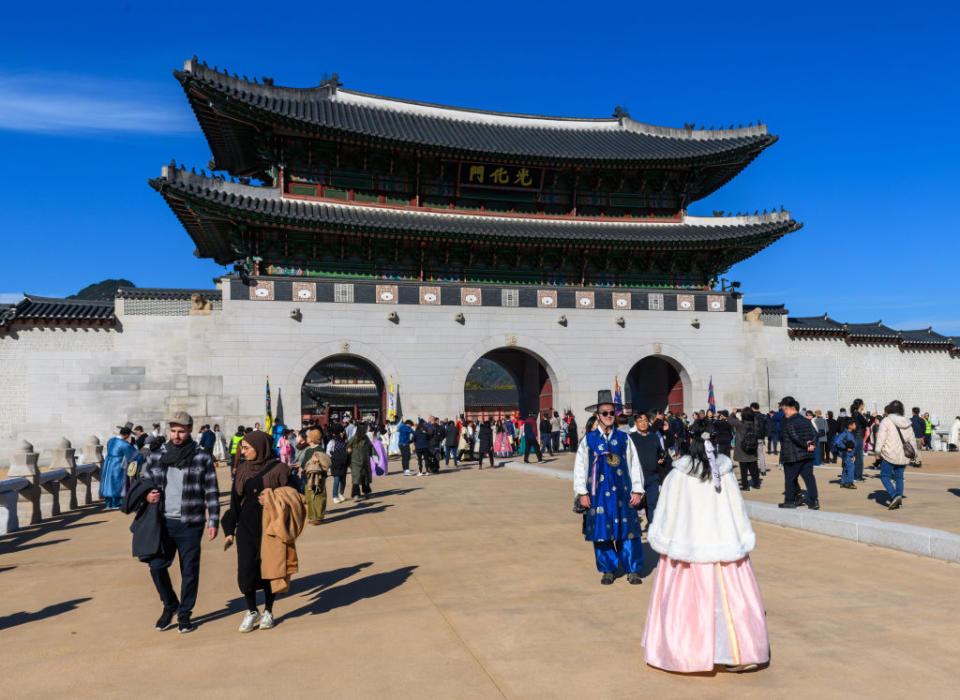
(464, 584)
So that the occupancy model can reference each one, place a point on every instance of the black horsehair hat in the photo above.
(604, 396)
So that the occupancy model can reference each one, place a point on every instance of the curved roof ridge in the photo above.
(175, 174)
(331, 91)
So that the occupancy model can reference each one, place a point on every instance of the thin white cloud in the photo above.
(10, 298)
(56, 103)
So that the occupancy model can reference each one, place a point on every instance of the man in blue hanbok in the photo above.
(113, 475)
(608, 482)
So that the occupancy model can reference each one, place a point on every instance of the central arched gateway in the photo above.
(654, 384)
(507, 380)
(342, 385)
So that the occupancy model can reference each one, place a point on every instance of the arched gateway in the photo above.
(342, 385)
(507, 380)
(656, 383)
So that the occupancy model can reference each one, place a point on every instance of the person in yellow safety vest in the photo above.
(928, 431)
(234, 445)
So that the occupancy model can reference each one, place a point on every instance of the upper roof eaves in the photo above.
(618, 138)
(263, 201)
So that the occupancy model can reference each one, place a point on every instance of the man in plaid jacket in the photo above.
(189, 498)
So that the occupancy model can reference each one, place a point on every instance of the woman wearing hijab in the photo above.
(360, 449)
(705, 608)
(243, 522)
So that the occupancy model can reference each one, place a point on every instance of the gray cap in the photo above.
(180, 418)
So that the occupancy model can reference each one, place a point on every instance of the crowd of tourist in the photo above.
(279, 484)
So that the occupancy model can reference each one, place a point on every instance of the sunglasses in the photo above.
(606, 413)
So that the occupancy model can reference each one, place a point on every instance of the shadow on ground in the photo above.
(313, 585)
(361, 508)
(18, 539)
(326, 598)
(22, 618)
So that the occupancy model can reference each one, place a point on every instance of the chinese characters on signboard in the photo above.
(520, 177)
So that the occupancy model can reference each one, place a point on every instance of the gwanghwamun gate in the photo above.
(376, 240)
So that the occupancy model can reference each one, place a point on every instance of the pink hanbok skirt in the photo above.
(702, 615)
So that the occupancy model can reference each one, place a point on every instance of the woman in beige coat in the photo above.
(893, 438)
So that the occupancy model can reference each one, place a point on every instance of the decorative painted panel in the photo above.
(304, 291)
(261, 290)
(429, 295)
(387, 294)
(470, 296)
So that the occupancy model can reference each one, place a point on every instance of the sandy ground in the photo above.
(458, 585)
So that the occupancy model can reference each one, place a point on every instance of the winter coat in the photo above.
(484, 438)
(797, 431)
(694, 523)
(421, 441)
(888, 444)
(147, 526)
(283, 518)
(740, 428)
(451, 434)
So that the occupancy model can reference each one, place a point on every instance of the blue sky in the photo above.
(864, 97)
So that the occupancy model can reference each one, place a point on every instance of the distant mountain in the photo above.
(106, 289)
(487, 374)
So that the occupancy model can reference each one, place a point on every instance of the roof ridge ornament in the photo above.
(331, 82)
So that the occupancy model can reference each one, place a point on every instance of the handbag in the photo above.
(908, 450)
(578, 507)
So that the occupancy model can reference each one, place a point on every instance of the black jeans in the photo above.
(749, 469)
(183, 540)
(803, 470)
(481, 455)
(535, 446)
(405, 457)
(251, 599)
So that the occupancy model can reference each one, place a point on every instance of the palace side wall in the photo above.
(78, 382)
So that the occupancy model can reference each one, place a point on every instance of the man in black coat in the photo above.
(724, 433)
(798, 442)
(546, 430)
(451, 439)
(530, 438)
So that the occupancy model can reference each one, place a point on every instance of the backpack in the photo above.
(749, 443)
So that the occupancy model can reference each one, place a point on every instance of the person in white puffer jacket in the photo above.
(705, 608)
(894, 434)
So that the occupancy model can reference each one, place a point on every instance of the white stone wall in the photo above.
(75, 383)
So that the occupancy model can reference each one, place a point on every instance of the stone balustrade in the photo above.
(28, 483)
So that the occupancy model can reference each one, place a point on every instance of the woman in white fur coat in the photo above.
(705, 608)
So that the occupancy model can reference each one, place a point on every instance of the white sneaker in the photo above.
(250, 620)
(419, 473)
(407, 472)
(337, 499)
(266, 620)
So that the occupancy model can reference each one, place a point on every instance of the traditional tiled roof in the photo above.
(926, 336)
(808, 325)
(871, 331)
(330, 108)
(160, 293)
(183, 190)
(33, 310)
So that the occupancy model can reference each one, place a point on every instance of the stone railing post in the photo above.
(92, 454)
(63, 456)
(24, 464)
